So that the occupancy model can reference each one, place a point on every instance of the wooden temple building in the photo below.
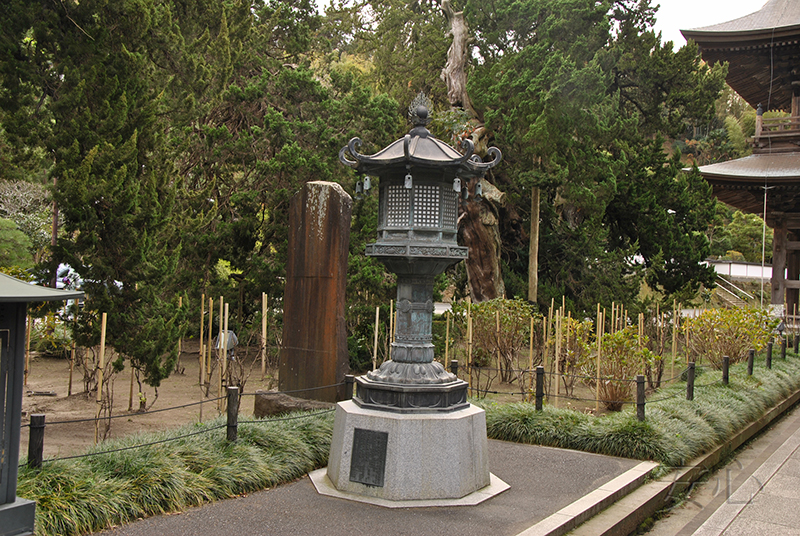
(763, 53)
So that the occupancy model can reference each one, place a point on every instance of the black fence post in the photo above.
(769, 354)
(539, 387)
(751, 355)
(726, 366)
(349, 382)
(690, 381)
(36, 441)
(783, 347)
(233, 413)
(796, 342)
(640, 397)
(454, 366)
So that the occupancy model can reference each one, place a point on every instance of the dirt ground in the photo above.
(51, 375)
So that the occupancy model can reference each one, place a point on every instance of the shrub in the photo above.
(500, 328)
(719, 332)
(624, 356)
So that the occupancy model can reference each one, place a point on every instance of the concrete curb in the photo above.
(625, 515)
(579, 511)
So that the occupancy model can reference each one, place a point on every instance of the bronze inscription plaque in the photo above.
(368, 460)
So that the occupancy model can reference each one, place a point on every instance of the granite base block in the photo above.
(16, 518)
(427, 456)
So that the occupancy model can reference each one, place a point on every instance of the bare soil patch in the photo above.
(48, 374)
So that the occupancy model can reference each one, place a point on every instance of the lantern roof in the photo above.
(13, 290)
(419, 149)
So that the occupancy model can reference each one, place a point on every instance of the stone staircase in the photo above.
(730, 295)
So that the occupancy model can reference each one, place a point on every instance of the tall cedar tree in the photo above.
(78, 82)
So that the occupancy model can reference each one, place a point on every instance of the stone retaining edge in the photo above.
(624, 516)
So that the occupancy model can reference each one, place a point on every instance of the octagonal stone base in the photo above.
(406, 457)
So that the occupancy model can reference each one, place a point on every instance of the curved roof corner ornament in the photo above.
(352, 147)
(469, 149)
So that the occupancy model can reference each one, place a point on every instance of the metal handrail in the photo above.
(745, 293)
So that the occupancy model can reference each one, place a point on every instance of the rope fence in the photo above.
(37, 422)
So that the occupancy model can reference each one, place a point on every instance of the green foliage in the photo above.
(50, 336)
(624, 355)
(500, 330)
(84, 495)
(574, 93)
(728, 332)
(15, 246)
(574, 340)
(675, 430)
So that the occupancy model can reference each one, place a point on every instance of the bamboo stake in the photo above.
(469, 343)
(202, 356)
(530, 361)
(220, 340)
(100, 377)
(446, 340)
(180, 339)
(675, 321)
(544, 342)
(497, 339)
(207, 357)
(599, 352)
(391, 322)
(27, 349)
(375, 344)
(557, 357)
(612, 327)
(71, 368)
(225, 343)
(686, 325)
(263, 334)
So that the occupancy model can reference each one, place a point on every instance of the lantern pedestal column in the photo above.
(409, 435)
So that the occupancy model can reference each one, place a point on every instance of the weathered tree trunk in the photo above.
(478, 224)
(454, 73)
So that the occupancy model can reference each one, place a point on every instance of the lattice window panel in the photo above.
(450, 209)
(426, 206)
(398, 206)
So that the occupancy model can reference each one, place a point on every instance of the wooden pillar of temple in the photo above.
(792, 275)
(792, 279)
(779, 257)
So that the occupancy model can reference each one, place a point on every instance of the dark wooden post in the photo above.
(36, 441)
(779, 243)
(233, 413)
(783, 347)
(349, 380)
(640, 397)
(726, 365)
(539, 387)
(690, 381)
(454, 366)
(751, 354)
(769, 354)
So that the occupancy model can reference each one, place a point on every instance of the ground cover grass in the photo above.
(675, 430)
(81, 495)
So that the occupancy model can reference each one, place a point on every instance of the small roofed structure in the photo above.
(16, 514)
(763, 53)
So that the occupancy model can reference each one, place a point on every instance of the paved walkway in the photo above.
(543, 482)
(766, 498)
